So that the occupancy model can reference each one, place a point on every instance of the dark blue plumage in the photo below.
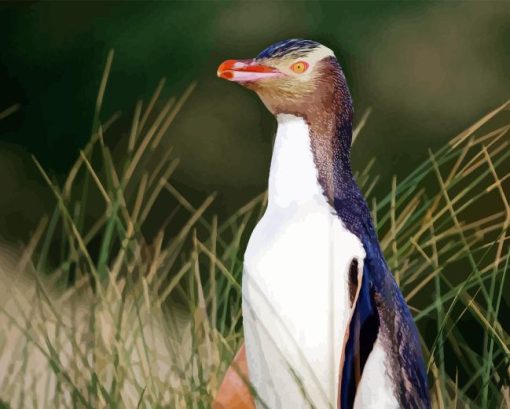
(380, 312)
(380, 305)
(292, 48)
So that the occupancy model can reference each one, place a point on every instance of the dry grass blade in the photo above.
(455, 142)
(9, 111)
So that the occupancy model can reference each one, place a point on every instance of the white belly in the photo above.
(296, 305)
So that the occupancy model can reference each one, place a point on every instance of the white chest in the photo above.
(295, 293)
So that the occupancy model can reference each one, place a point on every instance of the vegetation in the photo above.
(117, 315)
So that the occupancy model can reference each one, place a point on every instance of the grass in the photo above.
(101, 313)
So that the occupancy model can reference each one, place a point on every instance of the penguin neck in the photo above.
(293, 176)
(304, 167)
(309, 163)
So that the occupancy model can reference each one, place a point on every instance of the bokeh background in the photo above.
(425, 69)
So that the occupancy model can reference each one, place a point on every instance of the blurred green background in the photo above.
(426, 69)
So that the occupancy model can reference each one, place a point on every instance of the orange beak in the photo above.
(245, 71)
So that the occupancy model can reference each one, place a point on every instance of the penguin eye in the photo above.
(299, 67)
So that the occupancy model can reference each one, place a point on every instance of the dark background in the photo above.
(427, 70)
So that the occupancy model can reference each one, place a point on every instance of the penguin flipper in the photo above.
(362, 333)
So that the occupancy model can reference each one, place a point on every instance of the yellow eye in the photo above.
(299, 67)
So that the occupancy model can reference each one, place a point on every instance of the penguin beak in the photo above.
(245, 71)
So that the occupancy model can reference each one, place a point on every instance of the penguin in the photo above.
(325, 324)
